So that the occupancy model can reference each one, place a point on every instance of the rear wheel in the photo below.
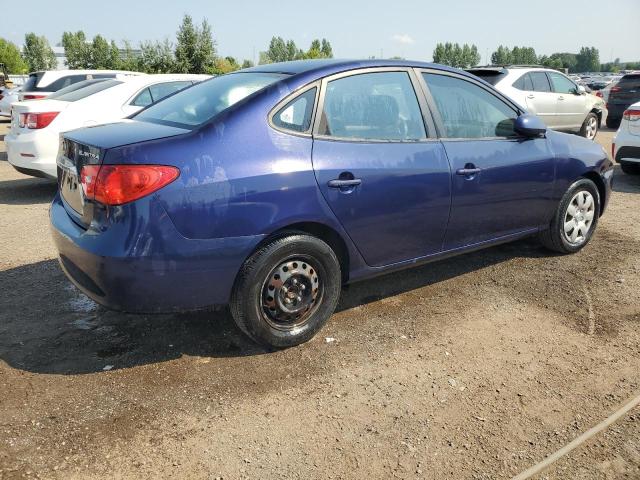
(575, 219)
(630, 168)
(589, 128)
(286, 291)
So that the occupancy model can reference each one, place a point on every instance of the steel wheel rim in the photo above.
(592, 128)
(578, 219)
(291, 293)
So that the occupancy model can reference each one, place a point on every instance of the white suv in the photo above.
(42, 84)
(560, 102)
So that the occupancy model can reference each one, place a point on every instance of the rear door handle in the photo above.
(344, 183)
(467, 172)
(560, 98)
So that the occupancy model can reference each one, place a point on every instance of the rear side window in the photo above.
(372, 106)
(540, 82)
(489, 76)
(468, 110)
(88, 90)
(161, 90)
(524, 83)
(561, 84)
(142, 99)
(296, 115)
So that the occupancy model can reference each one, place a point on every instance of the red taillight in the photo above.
(119, 184)
(613, 150)
(37, 120)
(33, 97)
(614, 90)
(599, 93)
(632, 115)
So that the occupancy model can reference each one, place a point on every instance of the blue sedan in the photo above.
(269, 188)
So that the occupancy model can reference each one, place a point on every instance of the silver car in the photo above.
(560, 102)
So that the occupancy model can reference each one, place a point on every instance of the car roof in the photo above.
(330, 65)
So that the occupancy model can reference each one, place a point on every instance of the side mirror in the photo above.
(580, 90)
(529, 125)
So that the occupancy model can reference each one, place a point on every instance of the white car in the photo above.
(625, 148)
(33, 140)
(7, 97)
(559, 101)
(42, 84)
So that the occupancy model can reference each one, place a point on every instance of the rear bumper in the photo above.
(627, 146)
(156, 270)
(33, 153)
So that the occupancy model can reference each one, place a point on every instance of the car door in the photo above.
(383, 172)
(571, 107)
(540, 99)
(502, 183)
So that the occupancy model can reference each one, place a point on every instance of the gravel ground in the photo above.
(475, 367)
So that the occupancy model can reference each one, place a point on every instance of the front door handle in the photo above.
(354, 182)
(467, 172)
(561, 98)
(531, 97)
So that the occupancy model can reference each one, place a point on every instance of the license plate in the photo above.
(71, 189)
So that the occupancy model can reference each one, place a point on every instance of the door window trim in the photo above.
(429, 126)
(436, 113)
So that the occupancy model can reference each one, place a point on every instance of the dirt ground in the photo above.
(476, 367)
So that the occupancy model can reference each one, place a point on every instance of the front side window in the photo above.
(200, 103)
(468, 110)
(296, 115)
(540, 82)
(372, 106)
(561, 84)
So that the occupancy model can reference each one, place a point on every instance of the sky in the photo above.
(355, 28)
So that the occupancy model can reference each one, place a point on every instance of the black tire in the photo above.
(554, 238)
(613, 123)
(584, 130)
(630, 168)
(290, 253)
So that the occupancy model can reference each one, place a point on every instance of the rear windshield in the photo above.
(202, 102)
(629, 80)
(81, 93)
(490, 76)
(74, 87)
(32, 81)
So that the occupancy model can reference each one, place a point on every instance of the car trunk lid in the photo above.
(88, 146)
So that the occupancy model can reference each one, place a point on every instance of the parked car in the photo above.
(33, 140)
(621, 96)
(561, 103)
(42, 84)
(7, 97)
(268, 188)
(626, 143)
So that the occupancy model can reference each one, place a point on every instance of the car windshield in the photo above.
(87, 90)
(202, 102)
(75, 86)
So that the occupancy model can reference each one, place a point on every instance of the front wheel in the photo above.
(287, 290)
(575, 219)
(589, 128)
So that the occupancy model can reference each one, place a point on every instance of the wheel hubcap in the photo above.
(291, 293)
(592, 128)
(578, 218)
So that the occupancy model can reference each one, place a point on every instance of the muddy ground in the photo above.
(476, 367)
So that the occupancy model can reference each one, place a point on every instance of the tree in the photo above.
(247, 64)
(325, 48)
(195, 49)
(115, 61)
(128, 60)
(76, 49)
(38, 53)
(551, 62)
(224, 65)
(454, 55)
(100, 53)
(588, 60)
(157, 57)
(11, 57)
(502, 56)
